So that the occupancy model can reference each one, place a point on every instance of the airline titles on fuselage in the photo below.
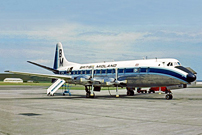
(99, 66)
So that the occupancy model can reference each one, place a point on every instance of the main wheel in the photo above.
(130, 93)
(87, 94)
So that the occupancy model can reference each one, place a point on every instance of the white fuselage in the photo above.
(136, 73)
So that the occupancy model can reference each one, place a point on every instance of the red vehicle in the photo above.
(164, 89)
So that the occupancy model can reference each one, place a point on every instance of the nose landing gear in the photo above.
(168, 95)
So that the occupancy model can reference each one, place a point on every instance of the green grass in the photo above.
(72, 86)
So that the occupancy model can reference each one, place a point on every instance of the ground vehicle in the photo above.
(164, 89)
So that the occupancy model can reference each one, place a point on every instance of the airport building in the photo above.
(13, 80)
(199, 82)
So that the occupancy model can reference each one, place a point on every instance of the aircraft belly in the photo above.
(149, 80)
(133, 80)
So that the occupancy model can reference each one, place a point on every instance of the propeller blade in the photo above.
(117, 94)
(91, 93)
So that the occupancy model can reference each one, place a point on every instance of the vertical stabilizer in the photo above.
(60, 60)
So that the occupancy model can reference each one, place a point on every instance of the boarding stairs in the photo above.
(55, 86)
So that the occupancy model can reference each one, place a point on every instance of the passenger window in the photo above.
(87, 72)
(109, 71)
(120, 71)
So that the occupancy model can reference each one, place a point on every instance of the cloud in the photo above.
(75, 32)
(87, 35)
(179, 36)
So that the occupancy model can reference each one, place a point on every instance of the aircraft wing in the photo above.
(66, 77)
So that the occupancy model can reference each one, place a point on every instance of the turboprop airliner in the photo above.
(130, 74)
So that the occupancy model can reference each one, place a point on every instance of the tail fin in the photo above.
(60, 60)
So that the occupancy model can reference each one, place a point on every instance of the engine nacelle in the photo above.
(81, 79)
(113, 82)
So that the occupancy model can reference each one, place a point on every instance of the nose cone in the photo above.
(191, 77)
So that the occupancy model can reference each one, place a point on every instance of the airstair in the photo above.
(55, 86)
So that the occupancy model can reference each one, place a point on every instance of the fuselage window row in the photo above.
(108, 71)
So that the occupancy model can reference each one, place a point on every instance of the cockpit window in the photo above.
(170, 64)
(176, 64)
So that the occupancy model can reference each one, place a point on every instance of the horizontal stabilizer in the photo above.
(48, 68)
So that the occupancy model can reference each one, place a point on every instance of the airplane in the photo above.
(130, 74)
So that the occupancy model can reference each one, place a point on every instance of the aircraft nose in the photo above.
(191, 77)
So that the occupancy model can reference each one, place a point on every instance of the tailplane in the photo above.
(48, 68)
(60, 60)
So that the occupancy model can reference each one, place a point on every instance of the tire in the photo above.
(167, 97)
(171, 97)
(87, 94)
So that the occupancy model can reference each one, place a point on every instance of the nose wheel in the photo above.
(169, 96)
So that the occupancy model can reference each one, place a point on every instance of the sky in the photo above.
(99, 30)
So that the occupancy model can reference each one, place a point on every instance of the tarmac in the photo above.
(27, 110)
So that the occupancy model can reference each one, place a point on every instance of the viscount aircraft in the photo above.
(130, 74)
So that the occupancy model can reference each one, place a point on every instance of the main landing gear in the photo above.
(130, 91)
(88, 95)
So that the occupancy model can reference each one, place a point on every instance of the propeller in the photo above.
(117, 82)
(92, 81)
